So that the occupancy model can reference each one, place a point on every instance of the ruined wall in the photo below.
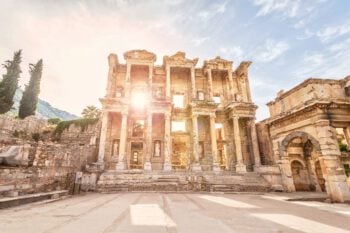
(44, 165)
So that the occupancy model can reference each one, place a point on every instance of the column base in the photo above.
(241, 168)
(216, 168)
(196, 167)
(147, 166)
(167, 167)
(120, 166)
(256, 168)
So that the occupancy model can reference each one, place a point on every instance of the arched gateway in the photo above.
(303, 153)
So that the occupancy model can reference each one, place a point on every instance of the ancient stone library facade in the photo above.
(179, 126)
(176, 116)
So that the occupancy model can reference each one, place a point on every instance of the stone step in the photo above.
(25, 199)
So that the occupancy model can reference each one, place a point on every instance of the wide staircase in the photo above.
(140, 181)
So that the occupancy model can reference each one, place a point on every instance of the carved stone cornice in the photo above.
(241, 109)
(218, 64)
(179, 60)
(242, 69)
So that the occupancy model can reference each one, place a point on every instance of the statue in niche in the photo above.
(200, 95)
(157, 149)
(115, 147)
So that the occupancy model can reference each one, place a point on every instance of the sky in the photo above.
(288, 41)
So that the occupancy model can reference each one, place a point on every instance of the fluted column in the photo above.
(255, 144)
(168, 93)
(147, 165)
(193, 82)
(210, 84)
(103, 136)
(230, 80)
(123, 137)
(195, 166)
(240, 167)
(214, 147)
(167, 143)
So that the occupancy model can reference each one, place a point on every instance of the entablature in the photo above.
(218, 64)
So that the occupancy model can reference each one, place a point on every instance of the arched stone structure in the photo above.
(306, 152)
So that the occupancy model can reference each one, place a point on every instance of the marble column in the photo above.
(255, 145)
(230, 80)
(210, 84)
(193, 82)
(127, 80)
(168, 91)
(147, 165)
(150, 77)
(103, 137)
(167, 143)
(347, 135)
(123, 138)
(214, 146)
(240, 167)
(195, 166)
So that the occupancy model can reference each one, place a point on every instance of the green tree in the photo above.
(91, 112)
(29, 99)
(9, 83)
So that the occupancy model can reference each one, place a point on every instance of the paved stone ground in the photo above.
(177, 212)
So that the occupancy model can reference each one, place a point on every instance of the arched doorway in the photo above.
(300, 176)
(303, 152)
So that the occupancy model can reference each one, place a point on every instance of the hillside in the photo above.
(44, 109)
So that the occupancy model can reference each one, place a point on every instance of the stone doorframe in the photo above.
(285, 162)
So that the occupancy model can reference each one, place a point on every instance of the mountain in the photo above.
(44, 109)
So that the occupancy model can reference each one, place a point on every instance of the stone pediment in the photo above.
(179, 59)
(217, 64)
(140, 55)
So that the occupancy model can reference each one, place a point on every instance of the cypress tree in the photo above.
(31, 92)
(9, 83)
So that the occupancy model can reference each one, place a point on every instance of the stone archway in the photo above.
(301, 151)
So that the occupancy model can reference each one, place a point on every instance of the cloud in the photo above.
(271, 50)
(212, 11)
(286, 7)
(332, 32)
(234, 52)
(198, 41)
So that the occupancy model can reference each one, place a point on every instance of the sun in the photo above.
(139, 99)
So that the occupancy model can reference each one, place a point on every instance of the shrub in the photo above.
(54, 121)
(63, 125)
(36, 137)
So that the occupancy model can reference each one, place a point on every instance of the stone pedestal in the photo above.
(167, 167)
(147, 166)
(216, 168)
(241, 168)
(196, 167)
(120, 166)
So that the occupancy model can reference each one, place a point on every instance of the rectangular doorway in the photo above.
(136, 157)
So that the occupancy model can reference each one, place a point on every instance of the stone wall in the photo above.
(44, 165)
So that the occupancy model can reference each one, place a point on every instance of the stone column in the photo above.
(147, 165)
(193, 81)
(230, 80)
(150, 76)
(347, 135)
(214, 147)
(167, 143)
(168, 92)
(210, 84)
(122, 146)
(103, 137)
(127, 80)
(195, 166)
(255, 145)
(240, 167)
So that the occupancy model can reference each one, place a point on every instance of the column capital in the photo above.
(124, 113)
(194, 115)
(167, 114)
(212, 115)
